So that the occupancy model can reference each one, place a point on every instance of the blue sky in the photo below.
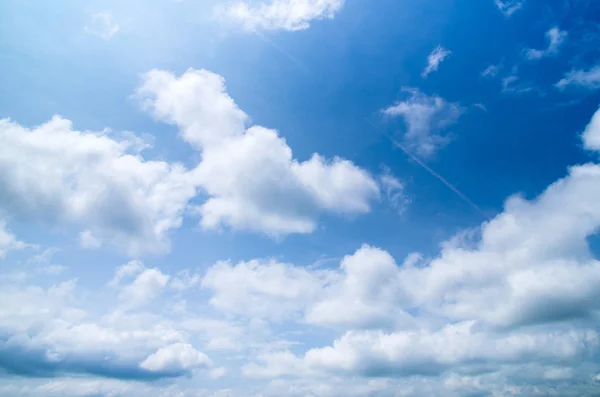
(299, 198)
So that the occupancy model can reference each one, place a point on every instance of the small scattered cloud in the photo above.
(8, 241)
(425, 117)
(290, 15)
(102, 25)
(588, 79)
(509, 7)
(555, 37)
(394, 191)
(434, 59)
(491, 71)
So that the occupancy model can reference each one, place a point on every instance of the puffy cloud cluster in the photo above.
(288, 15)
(520, 291)
(252, 180)
(93, 182)
(103, 186)
(44, 332)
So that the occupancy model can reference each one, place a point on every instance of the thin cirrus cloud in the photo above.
(555, 37)
(509, 7)
(102, 25)
(434, 59)
(588, 79)
(518, 292)
(426, 118)
(289, 15)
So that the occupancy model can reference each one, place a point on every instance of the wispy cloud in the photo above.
(102, 25)
(394, 190)
(491, 71)
(288, 15)
(555, 37)
(509, 7)
(434, 59)
(589, 79)
(425, 117)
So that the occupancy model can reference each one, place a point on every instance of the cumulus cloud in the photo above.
(591, 135)
(589, 79)
(269, 289)
(425, 117)
(147, 284)
(44, 332)
(434, 59)
(252, 180)
(520, 291)
(102, 25)
(290, 15)
(509, 7)
(8, 241)
(58, 175)
(555, 37)
(175, 358)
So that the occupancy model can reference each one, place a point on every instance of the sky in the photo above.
(299, 198)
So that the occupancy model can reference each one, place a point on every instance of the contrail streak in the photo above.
(430, 170)
(272, 44)
(396, 143)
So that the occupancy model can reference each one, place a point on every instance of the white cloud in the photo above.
(102, 25)
(8, 241)
(43, 332)
(589, 79)
(176, 358)
(509, 7)
(258, 289)
(591, 135)
(217, 373)
(58, 175)
(434, 59)
(521, 290)
(393, 188)
(87, 240)
(425, 118)
(457, 345)
(491, 71)
(291, 15)
(147, 284)
(556, 38)
(250, 175)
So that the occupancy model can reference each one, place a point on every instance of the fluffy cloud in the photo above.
(250, 175)
(44, 332)
(147, 284)
(59, 175)
(434, 59)
(259, 289)
(425, 118)
(589, 79)
(591, 135)
(520, 291)
(8, 241)
(456, 346)
(556, 38)
(175, 358)
(288, 15)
